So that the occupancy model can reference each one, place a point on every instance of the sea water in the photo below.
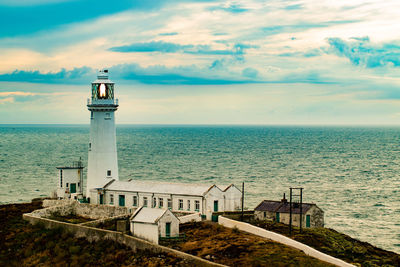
(352, 173)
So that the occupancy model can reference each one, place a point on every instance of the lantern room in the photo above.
(102, 88)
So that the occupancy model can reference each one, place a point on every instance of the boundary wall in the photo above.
(90, 211)
(95, 234)
(283, 240)
(196, 217)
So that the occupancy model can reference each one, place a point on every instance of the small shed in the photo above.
(279, 211)
(150, 224)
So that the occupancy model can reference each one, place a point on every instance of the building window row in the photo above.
(135, 202)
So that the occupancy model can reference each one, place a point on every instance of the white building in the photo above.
(70, 180)
(178, 197)
(150, 224)
(102, 161)
(103, 185)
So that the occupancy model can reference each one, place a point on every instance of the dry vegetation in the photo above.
(25, 245)
(235, 248)
(337, 245)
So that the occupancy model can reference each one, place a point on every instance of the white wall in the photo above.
(281, 239)
(233, 199)
(102, 150)
(146, 231)
(168, 217)
(189, 218)
(212, 195)
(68, 176)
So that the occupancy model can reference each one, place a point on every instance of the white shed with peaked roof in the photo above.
(150, 224)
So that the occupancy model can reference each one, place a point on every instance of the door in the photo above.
(308, 221)
(168, 229)
(278, 217)
(73, 188)
(122, 200)
(215, 205)
(101, 199)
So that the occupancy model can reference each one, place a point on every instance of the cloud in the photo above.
(45, 15)
(250, 73)
(302, 26)
(309, 53)
(232, 8)
(166, 47)
(158, 74)
(361, 52)
(294, 7)
(76, 75)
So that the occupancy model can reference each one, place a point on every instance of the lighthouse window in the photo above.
(91, 115)
(107, 116)
(109, 173)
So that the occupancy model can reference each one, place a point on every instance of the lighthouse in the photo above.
(103, 162)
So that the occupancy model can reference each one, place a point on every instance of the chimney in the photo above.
(284, 200)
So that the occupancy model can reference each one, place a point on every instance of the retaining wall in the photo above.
(90, 211)
(281, 239)
(95, 234)
(196, 217)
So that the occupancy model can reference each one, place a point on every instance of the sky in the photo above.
(277, 62)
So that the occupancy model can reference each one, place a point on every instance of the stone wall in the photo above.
(94, 234)
(196, 217)
(90, 211)
(282, 239)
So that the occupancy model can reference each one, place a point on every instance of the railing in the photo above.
(102, 102)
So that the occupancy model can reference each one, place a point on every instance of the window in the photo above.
(107, 116)
(160, 202)
(265, 214)
(181, 204)
(91, 115)
(67, 185)
(188, 205)
(144, 201)
(79, 184)
(169, 203)
(134, 201)
(197, 205)
(111, 199)
(61, 179)
(109, 173)
(90, 146)
(154, 202)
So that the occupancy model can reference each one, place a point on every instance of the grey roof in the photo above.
(161, 187)
(282, 206)
(148, 215)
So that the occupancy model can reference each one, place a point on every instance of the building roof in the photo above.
(148, 215)
(282, 206)
(161, 187)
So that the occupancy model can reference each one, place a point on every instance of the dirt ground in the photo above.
(235, 248)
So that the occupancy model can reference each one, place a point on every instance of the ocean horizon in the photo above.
(351, 172)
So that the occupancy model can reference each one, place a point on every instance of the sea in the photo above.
(352, 173)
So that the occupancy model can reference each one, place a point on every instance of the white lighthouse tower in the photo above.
(103, 161)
